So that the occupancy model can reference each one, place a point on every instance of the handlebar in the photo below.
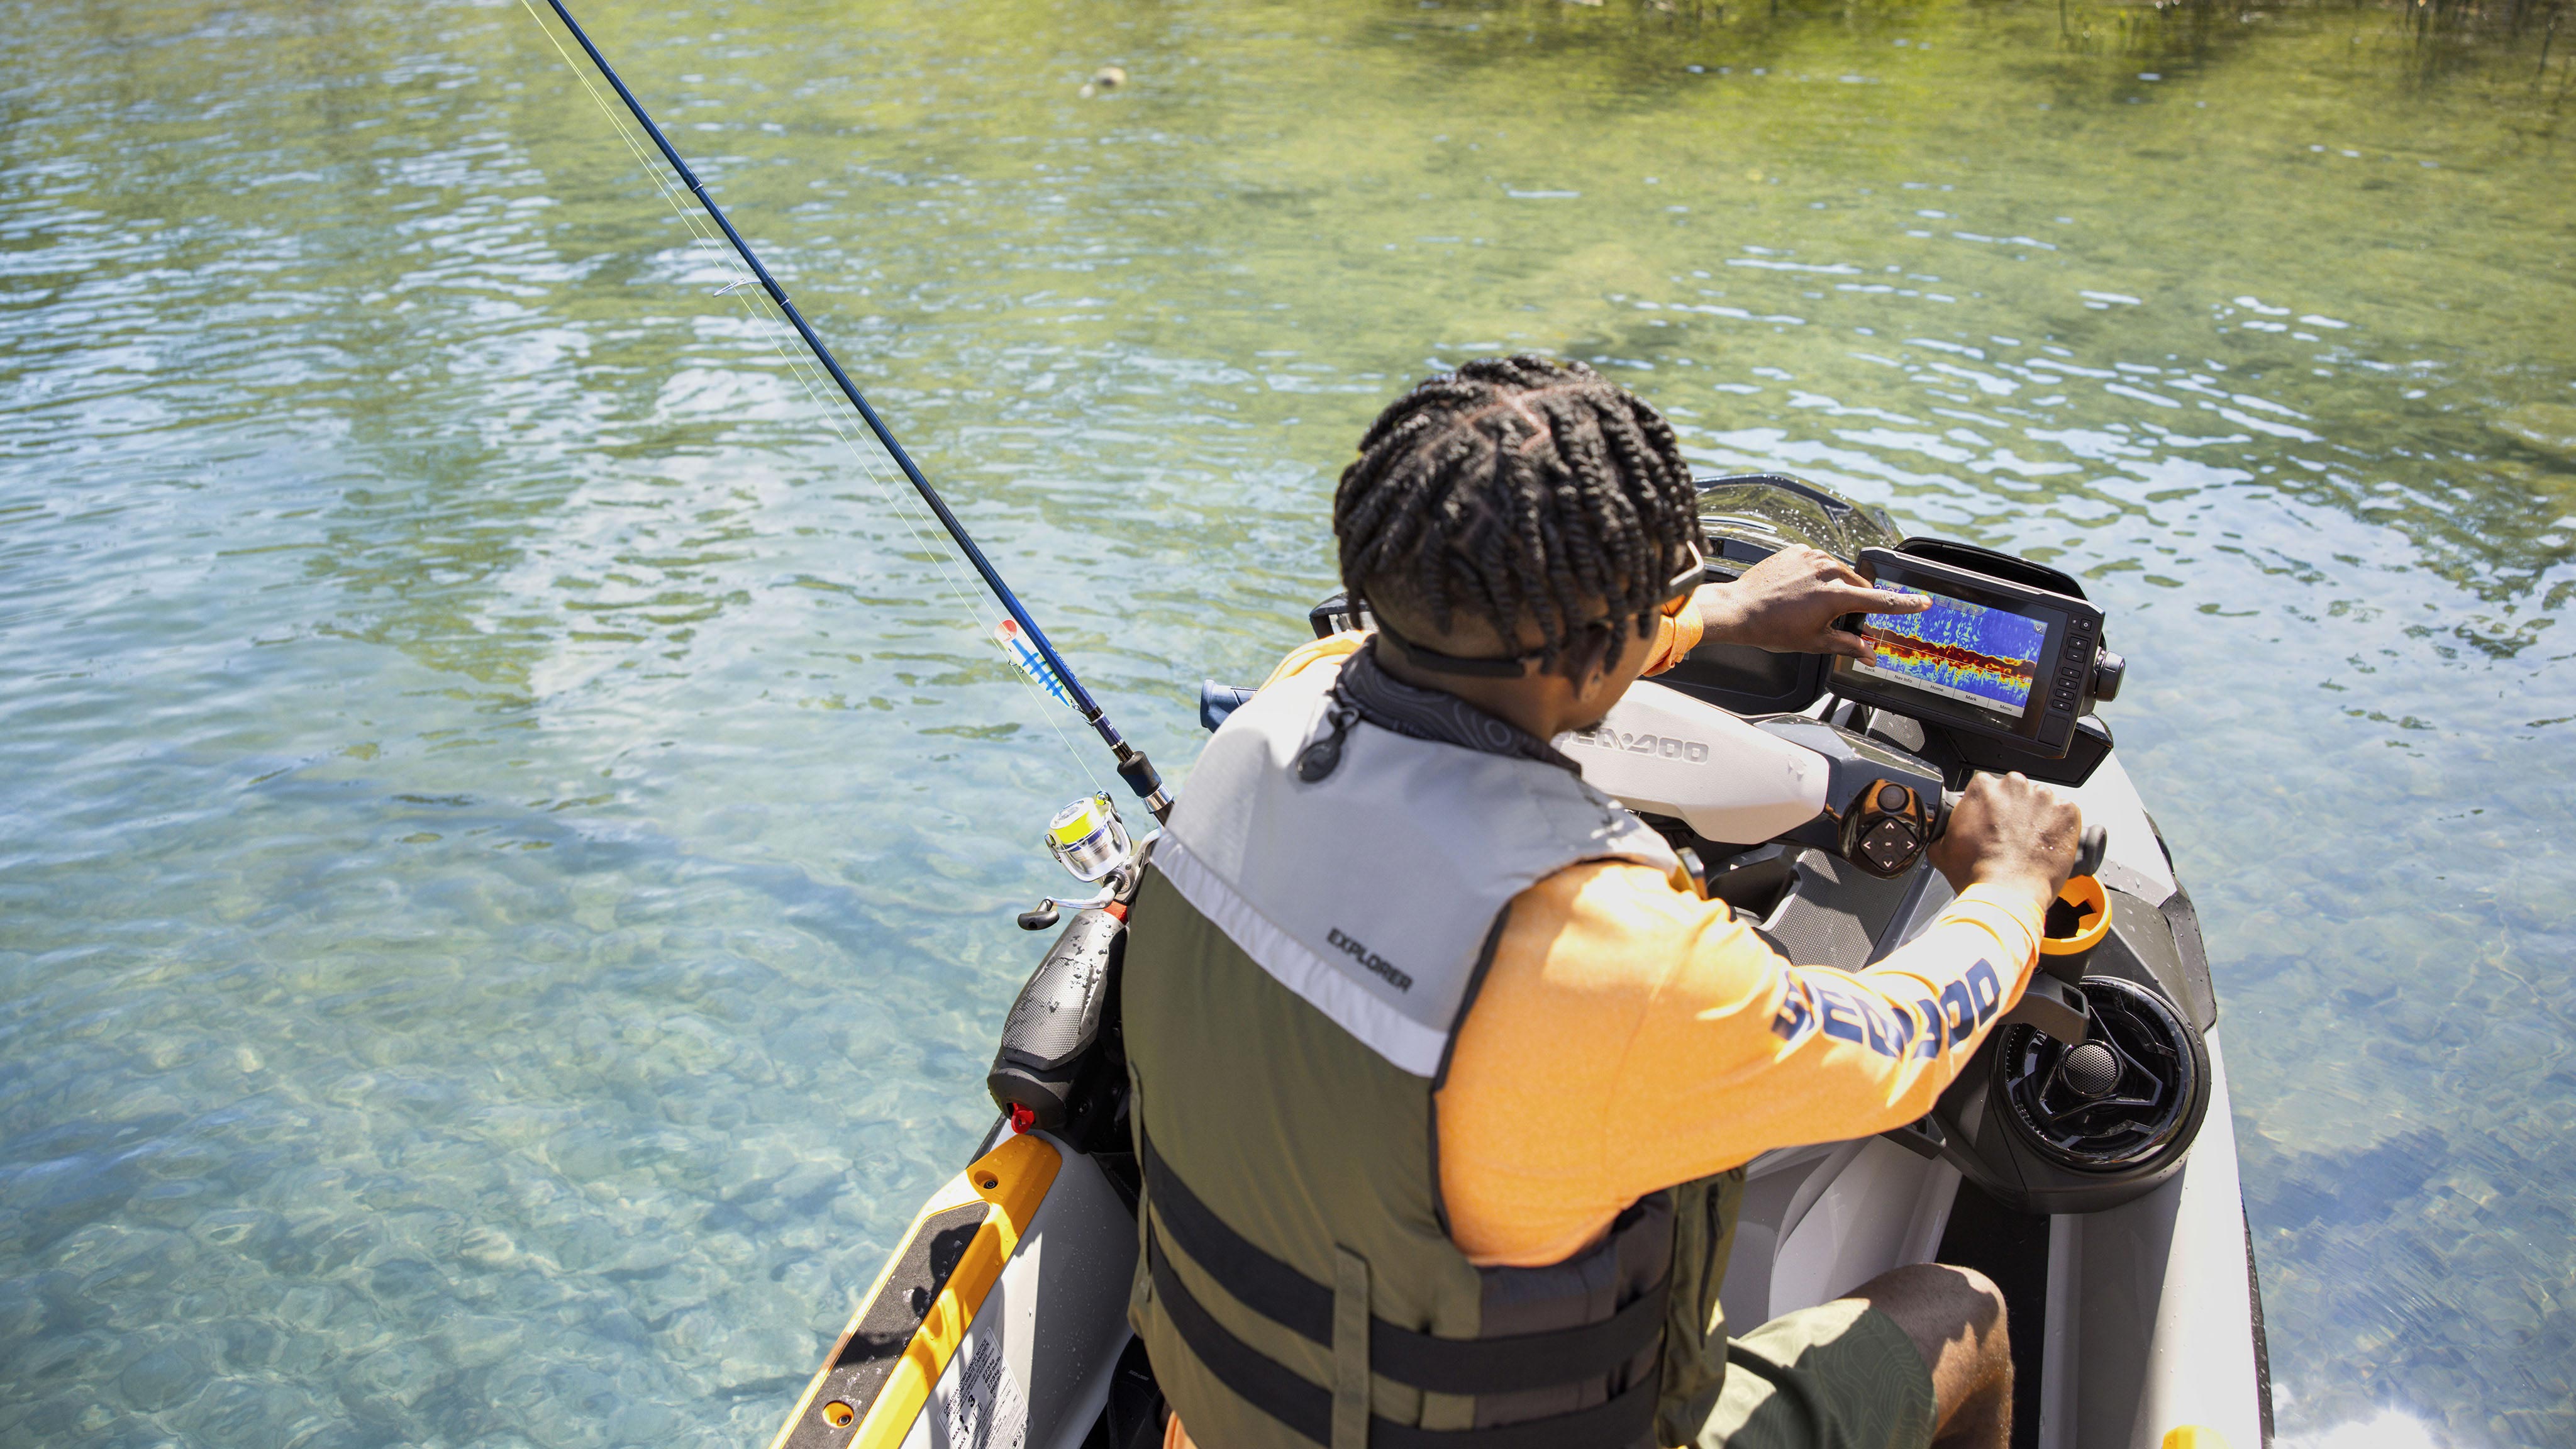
(2091, 848)
(2089, 851)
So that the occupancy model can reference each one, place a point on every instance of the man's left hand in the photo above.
(1788, 604)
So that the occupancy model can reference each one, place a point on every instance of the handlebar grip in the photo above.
(2096, 844)
(2090, 848)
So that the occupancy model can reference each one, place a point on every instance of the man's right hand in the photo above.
(1788, 603)
(2008, 831)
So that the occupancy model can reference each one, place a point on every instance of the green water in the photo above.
(507, 843)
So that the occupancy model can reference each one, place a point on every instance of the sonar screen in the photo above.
(1991, 657)
(1957, 650)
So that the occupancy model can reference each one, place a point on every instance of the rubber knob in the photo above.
(1216, 701)
(2108, 669)
(1044, 916)
(2090, 850)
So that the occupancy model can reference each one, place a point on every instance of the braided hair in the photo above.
(1518, 488)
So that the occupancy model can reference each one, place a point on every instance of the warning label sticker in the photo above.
(986, 1410)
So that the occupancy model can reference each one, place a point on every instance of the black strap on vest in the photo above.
(1435, 1365)
(1285, 1395)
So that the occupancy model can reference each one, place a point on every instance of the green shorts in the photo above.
(1840, 1375)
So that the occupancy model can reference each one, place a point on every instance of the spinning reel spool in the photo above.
(1089, 840)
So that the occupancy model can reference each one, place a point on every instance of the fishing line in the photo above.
(802, 371)
(1034, 658)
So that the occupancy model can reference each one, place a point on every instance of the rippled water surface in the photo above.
(507, 842)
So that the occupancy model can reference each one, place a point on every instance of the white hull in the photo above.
(2147, 1319)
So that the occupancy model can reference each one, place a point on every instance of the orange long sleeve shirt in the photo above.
(1631, 1035)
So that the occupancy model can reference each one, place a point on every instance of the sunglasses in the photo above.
(1677, 597)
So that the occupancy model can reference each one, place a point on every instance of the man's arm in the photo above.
(1789, 602)
(1629, 1035)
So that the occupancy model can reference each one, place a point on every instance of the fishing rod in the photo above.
(1133, 767)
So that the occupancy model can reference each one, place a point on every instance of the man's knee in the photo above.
(1939, 1286)
(1974, 1289)
(1944, 1309)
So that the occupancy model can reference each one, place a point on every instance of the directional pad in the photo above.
(1887, 826)
(1890, 845)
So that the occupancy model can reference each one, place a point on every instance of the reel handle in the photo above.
(1118, 886)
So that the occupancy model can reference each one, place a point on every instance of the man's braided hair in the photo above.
(1518, 488)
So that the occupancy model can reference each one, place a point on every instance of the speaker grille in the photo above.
(2129, 1098)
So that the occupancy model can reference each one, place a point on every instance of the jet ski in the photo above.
(2085, 1160)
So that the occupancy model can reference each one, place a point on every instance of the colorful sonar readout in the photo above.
(1957, 650)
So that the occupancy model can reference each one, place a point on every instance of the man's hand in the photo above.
(2006, 831)
(1788, 603)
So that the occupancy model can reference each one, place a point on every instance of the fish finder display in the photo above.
(1957, 650)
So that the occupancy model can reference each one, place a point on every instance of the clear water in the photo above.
(507, 843)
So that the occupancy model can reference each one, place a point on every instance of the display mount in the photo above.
(1990, 657)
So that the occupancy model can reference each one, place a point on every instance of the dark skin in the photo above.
(1956, 1318)
(1786, 603)
(2013, 836)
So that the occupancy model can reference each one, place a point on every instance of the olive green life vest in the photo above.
(1298, 1285)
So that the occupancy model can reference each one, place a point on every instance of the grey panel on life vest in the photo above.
(1371, 890)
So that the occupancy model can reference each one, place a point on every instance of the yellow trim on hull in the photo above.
(1013, 1179)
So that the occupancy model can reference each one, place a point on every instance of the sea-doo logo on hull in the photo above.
(1690, 752)
(1376, 964)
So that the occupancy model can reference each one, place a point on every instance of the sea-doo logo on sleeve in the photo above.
(1376, 964)
(1688, 751)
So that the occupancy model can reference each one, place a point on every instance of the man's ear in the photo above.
(1589, 657)
(1606, 645)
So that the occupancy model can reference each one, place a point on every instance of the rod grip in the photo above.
(1141, 777)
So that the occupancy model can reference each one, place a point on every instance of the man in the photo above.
(1440, 1063)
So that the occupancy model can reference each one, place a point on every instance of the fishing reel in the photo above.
(1089, 840)
(1060, 1067)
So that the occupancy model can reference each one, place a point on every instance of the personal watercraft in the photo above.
(2084, 1160)
(2069, 1161)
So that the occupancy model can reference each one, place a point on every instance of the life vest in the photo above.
(1300, 955)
